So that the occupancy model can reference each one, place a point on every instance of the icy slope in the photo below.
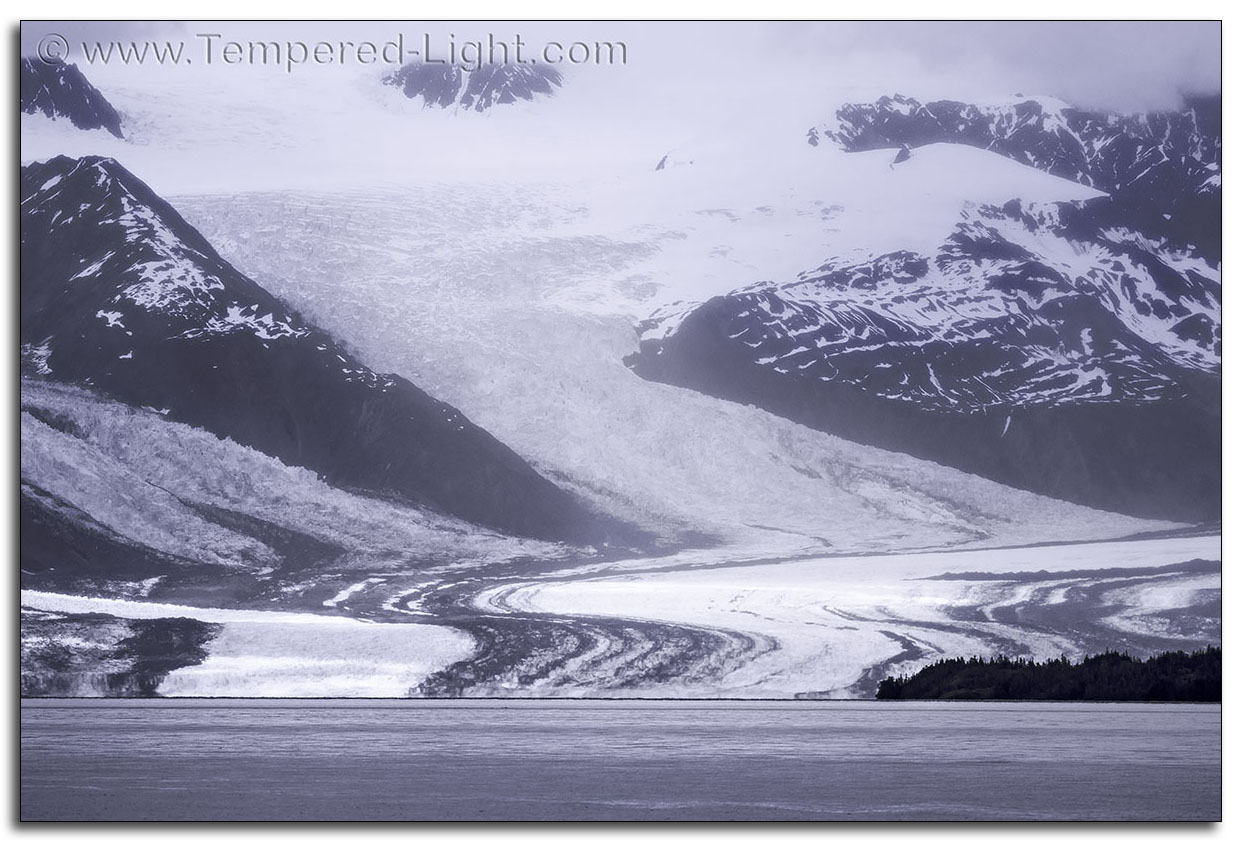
(465, 297)
(1024, 277)
(765, 209)
(214, 509)
(120, 292)
(1010, 337)
(507, 260)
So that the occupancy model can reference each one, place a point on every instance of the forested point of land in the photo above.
(1108, 677)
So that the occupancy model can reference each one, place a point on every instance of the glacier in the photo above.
(504, 266)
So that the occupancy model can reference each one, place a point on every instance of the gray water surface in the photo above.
(611, 760)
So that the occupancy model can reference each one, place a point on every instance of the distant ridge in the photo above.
(487, 86)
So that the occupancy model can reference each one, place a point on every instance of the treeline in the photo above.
(1110, 677)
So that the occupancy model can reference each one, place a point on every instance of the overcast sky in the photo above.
(1120, 65)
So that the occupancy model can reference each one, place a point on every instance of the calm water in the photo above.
(584, 760)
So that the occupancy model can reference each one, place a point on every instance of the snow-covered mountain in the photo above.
(1072, 348)
(1168, 163)
(210, 503)
(120, 293)
(61, 91)
(488, 85)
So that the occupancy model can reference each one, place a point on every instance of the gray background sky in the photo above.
(1119, 65)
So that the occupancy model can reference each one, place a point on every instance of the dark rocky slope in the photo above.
(489, 85)
(1072, 349)
(60, 90)
(118, 292)
(121, 658)
(1164, 166)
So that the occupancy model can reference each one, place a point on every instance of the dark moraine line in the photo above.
(865, 687)
(967, 544)
(518, 651)
(527, 650)
(1197, 565)
(523, 650)
(912, 649)
(1080, 616)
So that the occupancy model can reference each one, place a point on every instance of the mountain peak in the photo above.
(60, 90)
(489, 85)
(1163, 163)
(105, 189)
